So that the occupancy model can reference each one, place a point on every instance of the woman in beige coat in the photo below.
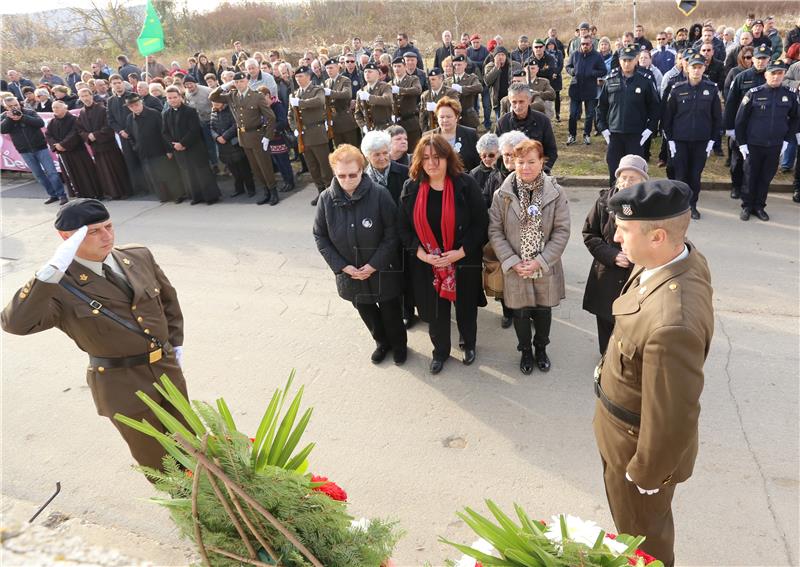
(529, 230)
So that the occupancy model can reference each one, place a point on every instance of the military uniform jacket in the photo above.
(628, 105)
(39, 306)
(470, 88)
(693, 113)
(425, 116)
(406, 100)
(313, 115)
(341, 95)
(654, 367)
(767, 117)
(743, 82)
(378, 107)
(254, 117)
(540, 88)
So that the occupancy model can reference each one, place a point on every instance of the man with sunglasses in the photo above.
(404, 46)
(586, 67)
(663, 55)
(351, 72)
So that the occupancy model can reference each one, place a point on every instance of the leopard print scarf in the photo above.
(531, 235)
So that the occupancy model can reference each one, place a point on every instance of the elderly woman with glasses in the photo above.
(356, 232)
(388, 174)
(443, 218)
(488, 149)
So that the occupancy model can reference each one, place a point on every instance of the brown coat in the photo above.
(379, 107)
(471, 87)
(340, 97)
(426, 117)
(406, 100)
(38, 306)
(654, 367)
(313, 115)
(549, 289)
(254, 116)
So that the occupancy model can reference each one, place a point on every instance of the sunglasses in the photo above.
(343, 176)
(350, 61)
(585, 44)
(747, 57)
(488, 156)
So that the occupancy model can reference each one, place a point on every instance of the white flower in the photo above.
(457, 147)
(481, 545)
(360, 525)
(580, 531)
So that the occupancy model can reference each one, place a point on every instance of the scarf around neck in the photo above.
(444, 279)
(531, 235)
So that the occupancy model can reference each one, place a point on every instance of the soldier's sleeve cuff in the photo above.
(49, 274)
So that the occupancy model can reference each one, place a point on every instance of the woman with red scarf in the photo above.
(443, 218)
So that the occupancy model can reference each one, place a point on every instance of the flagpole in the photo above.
(146, 67)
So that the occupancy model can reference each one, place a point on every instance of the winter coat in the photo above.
(585, 69)
(26, 133)
(223, 124)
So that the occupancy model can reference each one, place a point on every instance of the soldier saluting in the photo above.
(406, 90)
(118, 307)
(338, 94)
(374, 101)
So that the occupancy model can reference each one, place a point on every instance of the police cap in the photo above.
(79, 212)
(651, 200)
(629, 52)
(762, 51)
(239, 76)
(689, 52)
(697, 59)
(776, 65)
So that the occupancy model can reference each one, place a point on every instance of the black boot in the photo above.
(542, 360)
(736, 193)
(266, 198)
(796, 195)
(526, 363)
(274, 199)
(315, 199)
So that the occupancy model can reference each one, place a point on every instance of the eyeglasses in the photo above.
(538, 46)
(343, 176)
(661, 38)
(350, 61)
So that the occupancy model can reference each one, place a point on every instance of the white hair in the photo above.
(511, 139)
(42, 92)
(487, 142)
(251, 61)
(374, 141)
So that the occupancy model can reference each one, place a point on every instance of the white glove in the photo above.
(430, 106)
(364, 129)
(227, 86)
(65, 253)
(363, 95)
(672, 149)
(783, 148)
(745, 152)
(606, 135)
(395, 89)
(798, 139)
(265, 143)
(294, 101)
(709, 148)
(296, 133)
(731, 134)
(646, 134)
(327, 92)
(458, 88)
(642, 490)
(179, 355)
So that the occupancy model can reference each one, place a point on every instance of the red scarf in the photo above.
(444, 279)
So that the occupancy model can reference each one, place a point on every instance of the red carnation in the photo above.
(333, 490)
(639, 553)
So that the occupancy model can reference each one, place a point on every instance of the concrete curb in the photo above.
(714, 185)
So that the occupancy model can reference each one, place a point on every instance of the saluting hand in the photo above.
(65, 253)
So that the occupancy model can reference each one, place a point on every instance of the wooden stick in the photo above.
(198, 535)
(250, 525)
(239, 557)
(226, 505)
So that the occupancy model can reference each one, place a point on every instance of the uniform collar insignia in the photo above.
(83, 277)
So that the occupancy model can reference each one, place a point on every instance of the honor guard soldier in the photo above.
(117, 305)
(649, 382)
(468, 87)
(338, 95)
(692, 118)
(309, 119)
(742, 83)
(255, 122)
(520, 77)
(374, 102)
(428, 100)
(766, 122)
(540, 88)
(406, 90)
(627, 111)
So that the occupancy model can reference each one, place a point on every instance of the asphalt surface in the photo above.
(258, 300)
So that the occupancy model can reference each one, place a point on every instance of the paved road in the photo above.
(258, 301)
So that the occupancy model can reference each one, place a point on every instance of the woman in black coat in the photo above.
(443, 217)
(463, 138)
(610, 268)
(356, 232)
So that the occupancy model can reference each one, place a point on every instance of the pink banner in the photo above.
(12, 161)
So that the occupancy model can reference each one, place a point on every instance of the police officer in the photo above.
(374, 101)
(744, 81)
(766, 122)
(428, 100)
(692, 118)
(338, 96)
(119, 307)
(406, 90)
(648, 384)
(627, 111)
(468, 87)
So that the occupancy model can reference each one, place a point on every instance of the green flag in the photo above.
(151, 39)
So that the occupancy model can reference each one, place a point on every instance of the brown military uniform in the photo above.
(542, 91)
(407, 108)
(427, 119)
(39, 306)
(471, 87)
(654, 368)
(345, 128)
(375, 113)
(255, 120)
(313, 132)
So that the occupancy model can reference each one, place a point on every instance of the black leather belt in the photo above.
(632, 419)
(102, 363)
(243, 129)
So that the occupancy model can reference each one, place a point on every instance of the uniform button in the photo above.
(101, 369)
(22, 295)
(95, 311)
(133, 308)
(147, 331)
(140, 319)
(619, 345)
(673, 286)
(152, 345)
(155, 290)
(630, 432)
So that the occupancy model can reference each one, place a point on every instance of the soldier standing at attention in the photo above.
(118, 307)
(406, 90)
(428, 100)
(468, 87)
(374, 101)
(339, 90)
(648, 384)
(307, 116)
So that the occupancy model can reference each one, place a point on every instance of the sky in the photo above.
(47, 5)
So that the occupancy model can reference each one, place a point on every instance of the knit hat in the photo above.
(633, 162)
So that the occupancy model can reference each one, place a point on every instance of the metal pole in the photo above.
(634, 15)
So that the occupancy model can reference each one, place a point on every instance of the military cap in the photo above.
(584, 26)
(410, 54)
(303, 69)
(79, 212)
(531, 62)
(684, 30)
(189, 79)
(398, 61)
(130, 98)
(651, 200)
(538, 42)
(518, 73)
(697, 59)
(762, 51)
(459, 59)
(629, 52)
(757, 22)
(371, 66)
(689, 52)
(435, 72)
(239, 76)
(776, 65)
(523, 37)
(331, 62)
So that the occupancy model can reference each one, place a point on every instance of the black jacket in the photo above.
(359, 230)
(118, 112)
(628, 106)
(743, 82)
(585, 69)
(145, 134)
(26, 134)
(465, 146)
(443, 53)
(481, 174)
(398, 175)
(183, 126)
(693, 114)
(153, 102)
(767, 117)
(223, 124)
(536, 126)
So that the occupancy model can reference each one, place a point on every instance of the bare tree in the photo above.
(111, 22)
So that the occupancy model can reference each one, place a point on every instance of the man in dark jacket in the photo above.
(126, 67)
(16, 83)
(530, 122)
(477, 55)
(25, 129)
(585, 67)
(118, 113)
(523, 52)
(445, 51)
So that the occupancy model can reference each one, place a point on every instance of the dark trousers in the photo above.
(604, 329)
(352, 137)
(439, 327)
(318, 165)
(384, 320)
(737, 167)
(558, 105)
(242, 176)
(507, 311)
(689, 161)
(211, 145)
(542, 318)
(284, 166)
(486, 102)
(619, 146)
(760, 168)
(575, 115)
(261, 166)
(797, 170)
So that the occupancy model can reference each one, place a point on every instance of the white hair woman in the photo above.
(488, 148)
(376, 147)
(44, 103)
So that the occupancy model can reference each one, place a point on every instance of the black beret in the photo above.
(130, 98)
(303, 70)
(435, 72)
(189, 79)
(371, 66)
(79, 212)
(518, 73)
(331, 62)
(531, 62)
(651, 200)
(239, 76)
(398, 61)
(459, 58)
(629, 52)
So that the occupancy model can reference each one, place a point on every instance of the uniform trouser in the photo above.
(486, 102)
(575, 115)
(351, 137)
(384, 320)
(760, 167)
(41, 165)
(542, 318)
(689, 161)
(318, 166)
(469, 118)
(439, 327)
(261, 166)
(413, 131)
(642, 514)
(737, 167)
(558, 105)
(242, 176)
(619, 146)
(604, 329)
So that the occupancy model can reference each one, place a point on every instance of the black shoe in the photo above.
(180, 200)
(63, 200)
(469, 356)
(274, 199)
(570, 140)
(542, 360)
(237, 193)
(587, 139)
(762, 214)
(436, 366)
(211, 202)
(379, 354)
(251, 193)
(736, 193)
(51, 200)
(195, 202)
(505, 322)
(526, 362)
(744, 215)
(718, 152)
(285, 188)
(266, 198)
(796, 196)
(400, 355)
(410, 322)
(695, 213)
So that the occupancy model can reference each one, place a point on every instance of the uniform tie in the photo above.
(118, 281)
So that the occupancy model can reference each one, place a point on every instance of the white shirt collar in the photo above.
(647, 274)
